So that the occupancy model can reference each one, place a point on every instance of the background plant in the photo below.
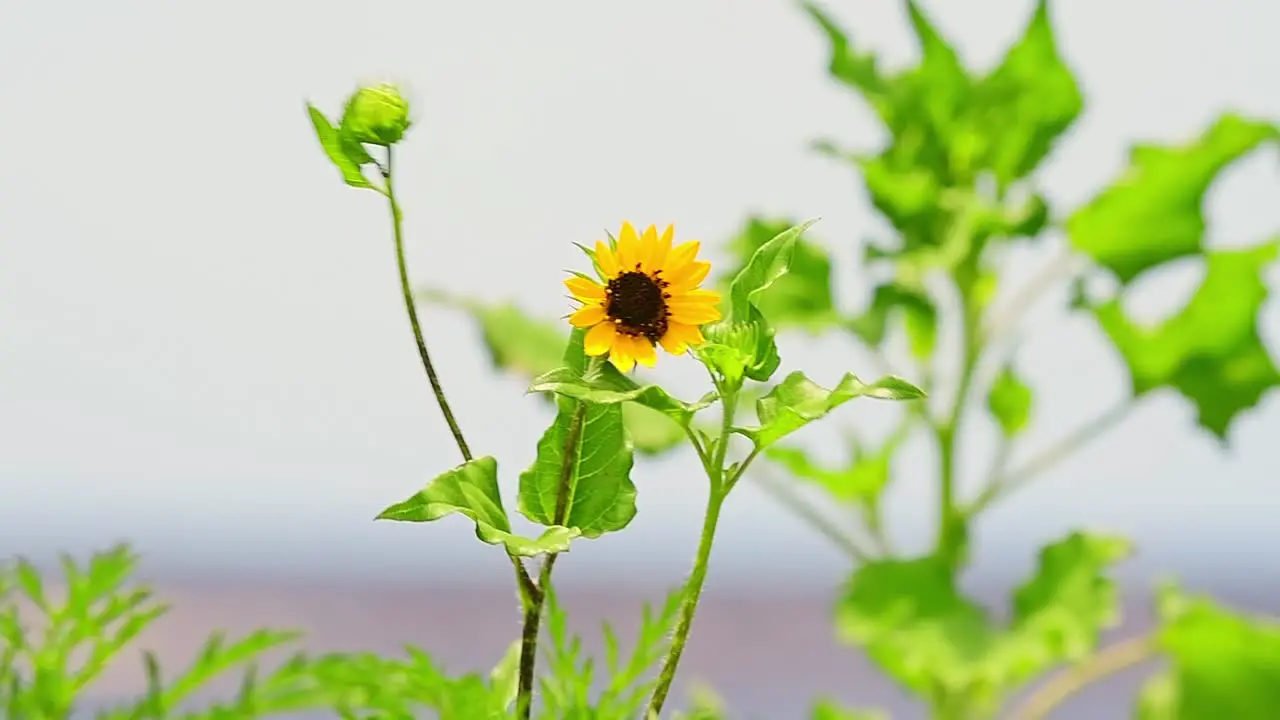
(956, 181)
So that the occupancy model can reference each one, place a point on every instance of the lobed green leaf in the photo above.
(798, 401)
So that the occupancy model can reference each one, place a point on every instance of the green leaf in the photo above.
(341, 151)
(798, 401)
(651, 432)
(1153, 213)
(1210, 351)
(1027, 102)
(918, 312)
(827, 709)
(586, 453)
(1059, 613)
(505, 676)
(855, 69)
(917, 627)
(801, 298)
(471, 489)
(1010, 402)
(770, 261)
(606, 386)
(861, 481)
(1224, 664)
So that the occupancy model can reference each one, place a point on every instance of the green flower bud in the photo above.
(378, 115)
(738, 349)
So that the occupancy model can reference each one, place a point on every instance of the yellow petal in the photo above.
(648, 242)
(628, 248)
(694, 313)
(644, 352)
(588, 315)
(673, 343)
(661, 249)
(693, 274)
(600, 339)
(584, 289)
(607, 261)
(680, 255)
(620, 355)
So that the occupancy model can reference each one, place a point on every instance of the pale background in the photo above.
(202, 344)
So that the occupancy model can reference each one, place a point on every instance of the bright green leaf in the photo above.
(1153, 213)
(339, 150)
(1059, 613)
(1027, 102)
(471, 489)
(770, 261)
(798, 401)
(586, 456)
(862, 480)
(858, 70)
(606, 386)
(1224, 664)
(505, 676)
(801, 298)
(1210, 351)
(915, 625)
(1010, 402)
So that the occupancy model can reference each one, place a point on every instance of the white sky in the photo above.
(201, 338)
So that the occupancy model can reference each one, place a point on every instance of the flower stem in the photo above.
(397, 219)
(720, 486)
(537, 598)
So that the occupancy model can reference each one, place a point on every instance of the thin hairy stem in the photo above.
(533, 608)
(719, 485)
(1008, 483)
(397, 218)
(1061, 687)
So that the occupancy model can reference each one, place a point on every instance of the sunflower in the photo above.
(647, 295)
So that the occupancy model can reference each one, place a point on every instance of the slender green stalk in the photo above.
(719, 490)
(397, 219)
(533, 608)
(951, 539)
(528, 590)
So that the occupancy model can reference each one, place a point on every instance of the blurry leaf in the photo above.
(798, 401)
(650, 431)
(919, 314)
(802, 297)
(858, 70)
(1029, 100)
(1210, 351)
(1010, 402)
(505, 676)
(916, 626)
(862, 480)
(1153, 214)
(605, 385)
(596, 471)
(339, 150)
(471, 489)
(1059, 613)
(827, 709)
(1224, 664)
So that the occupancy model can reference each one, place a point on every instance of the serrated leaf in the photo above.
(586, 453)
(1009, 402)
(1210, 351)
(1059, 613)
(338, 149)
(915, 624)
(1153, 213)
(798, 401)
(471, 489)
(801, 298)
(1224, 664)
(1027, 102)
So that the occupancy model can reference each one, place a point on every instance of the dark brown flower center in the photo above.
(638, 303)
